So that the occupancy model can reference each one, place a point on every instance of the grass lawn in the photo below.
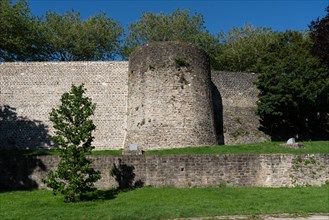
(166, 203)
(54, 152)
(312, 147)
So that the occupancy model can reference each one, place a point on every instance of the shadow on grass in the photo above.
(100, 195)
(13, 153)
(107, 194)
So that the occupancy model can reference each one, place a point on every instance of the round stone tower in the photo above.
(169, 98)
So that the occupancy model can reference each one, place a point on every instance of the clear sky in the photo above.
(220, 15)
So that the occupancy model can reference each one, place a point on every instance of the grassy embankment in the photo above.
(312, 147)
(167, 203)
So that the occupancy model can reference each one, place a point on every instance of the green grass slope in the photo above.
(167, 203)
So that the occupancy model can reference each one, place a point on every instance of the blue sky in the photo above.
(220, 15)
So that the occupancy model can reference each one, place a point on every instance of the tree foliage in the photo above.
(320, 36)
(73, 134)
(69, 38)
(242, 49)
(56, 37)
(178, 26)
(294, 89)
(19, 38)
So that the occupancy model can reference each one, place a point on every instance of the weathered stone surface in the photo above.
(169, 97)
(277, 170)
(31, 90)
(239, 96)
(28, 92)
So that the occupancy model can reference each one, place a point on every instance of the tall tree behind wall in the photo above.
(178, 26)
(55, 37)
(320, 36)
(71, 39)
(293, 99)
(242, 48)
(19, 38)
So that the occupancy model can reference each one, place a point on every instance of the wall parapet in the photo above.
(265, 170)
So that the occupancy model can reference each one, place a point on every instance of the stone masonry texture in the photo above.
(276, 170)
(28, 92)
(239, 96)
(180, 100)
(169, 97)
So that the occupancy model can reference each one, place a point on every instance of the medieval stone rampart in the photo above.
(239, 95)
(169, 97)
(28, 92)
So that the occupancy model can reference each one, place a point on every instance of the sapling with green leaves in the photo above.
(73, 134)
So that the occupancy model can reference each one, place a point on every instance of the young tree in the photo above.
(73, 134)
(320, 36)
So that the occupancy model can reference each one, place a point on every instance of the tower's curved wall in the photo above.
(169, 97)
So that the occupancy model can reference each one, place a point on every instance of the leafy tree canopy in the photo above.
(320, 36)
(18, 32)
(69, 38)
(241, 49)
(178, 26)
(294, 89)
(56, 37)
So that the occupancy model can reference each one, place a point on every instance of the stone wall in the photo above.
(238, 96)
(28, 92)
(276, 170)
(169, 97)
